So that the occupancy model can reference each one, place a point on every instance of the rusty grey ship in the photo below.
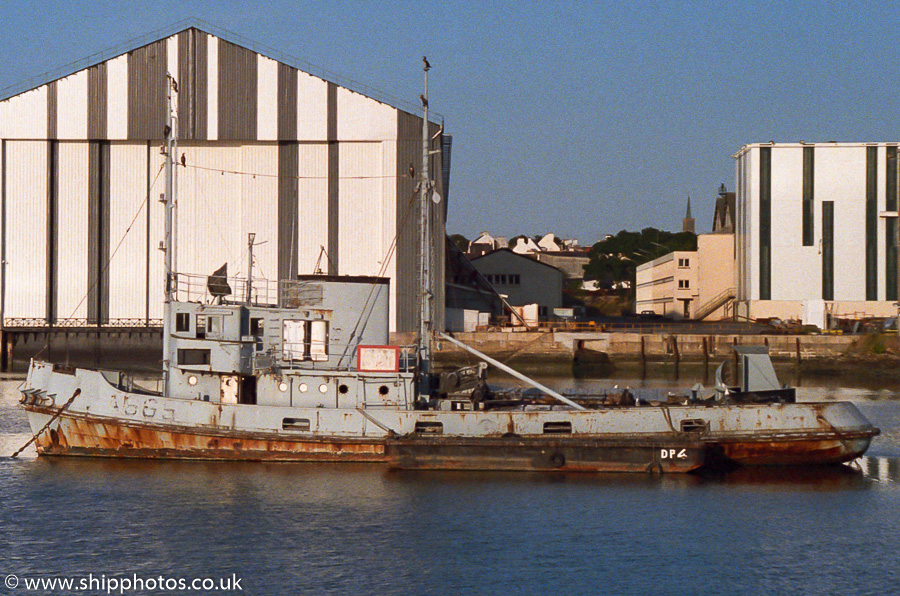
(301, 370)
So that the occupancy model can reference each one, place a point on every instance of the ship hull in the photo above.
(103, 437)
(86, 436)
(82, 413)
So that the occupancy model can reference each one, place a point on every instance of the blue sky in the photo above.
(579, 118)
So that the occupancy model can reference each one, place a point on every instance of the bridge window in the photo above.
(193, 357)
(305, 340)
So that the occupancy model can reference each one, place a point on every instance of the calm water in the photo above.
(313, 529)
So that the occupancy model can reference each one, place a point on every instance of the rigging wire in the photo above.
(96, 281)
(384, 265)
(201, 192)
(289, 177)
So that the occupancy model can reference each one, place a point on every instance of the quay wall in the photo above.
(625, 347)
(111, 347)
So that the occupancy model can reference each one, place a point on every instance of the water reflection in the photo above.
(858, 474)
(882, 469)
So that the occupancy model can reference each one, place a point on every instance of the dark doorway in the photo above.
(248, 390)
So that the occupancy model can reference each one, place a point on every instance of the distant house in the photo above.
(548, 242)
(525, 245)
(484, 244)
(522, 280)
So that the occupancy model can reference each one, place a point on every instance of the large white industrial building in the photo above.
(814, 231)
(319, 172)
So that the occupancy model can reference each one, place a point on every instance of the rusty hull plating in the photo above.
(615, 439)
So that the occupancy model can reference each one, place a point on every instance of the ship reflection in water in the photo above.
(857, 474)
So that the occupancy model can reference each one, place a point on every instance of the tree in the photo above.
(616, 258)
(461, 242)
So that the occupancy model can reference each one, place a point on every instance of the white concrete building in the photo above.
(667, 285)
(689, 284)
(318, 171)
(809, 229)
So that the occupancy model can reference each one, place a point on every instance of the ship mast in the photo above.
(171, 148)
(425, 314)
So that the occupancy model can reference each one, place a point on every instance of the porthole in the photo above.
(383, 390)
(323, 388)
(282, 386)
(192, 380)
(302, 387)
(343, 389)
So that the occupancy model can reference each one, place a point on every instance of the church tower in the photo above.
(687, 224)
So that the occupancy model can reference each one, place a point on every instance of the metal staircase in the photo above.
(714, 303)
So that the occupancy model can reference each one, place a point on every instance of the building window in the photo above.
(871, 223)
(183, 321)
(201, 326)
(765, 223)
(828, 250)
(215, 326)
(684, 263)
(503, 279)
(293, 340)
(890, 225)
(318, 340)
(809, 165)
(256, 326)
(684, 284)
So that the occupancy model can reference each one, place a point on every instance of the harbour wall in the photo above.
(641, 347)
(112, 347)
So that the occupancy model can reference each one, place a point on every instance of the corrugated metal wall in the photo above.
(361, 209)
(128, 231)
(237, 81)
(407, 288)
(312, 205)
(259, 208)
(26, 229)
(72, 230)
(299, 161)
(209, 209)
(71, 105)
(147, 91)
